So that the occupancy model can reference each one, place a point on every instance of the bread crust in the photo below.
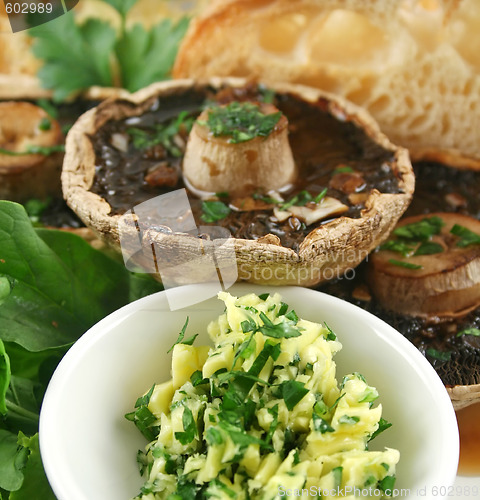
(417, 68)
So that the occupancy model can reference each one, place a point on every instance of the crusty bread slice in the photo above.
(413, 64)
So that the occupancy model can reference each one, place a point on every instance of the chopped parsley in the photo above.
(422, 230)
(440, 355)
(402, 263)
(181, 336)
(346, 419)
(293, 392)
(162, 134)
(189, 427)
(214, 211)
(262, 403)
(241, 121)
(382, 426)
(466, 236)
(469, 331)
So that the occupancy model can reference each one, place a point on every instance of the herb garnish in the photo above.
(189, 427)
(181, 336)
(214, 211)
(383, 425)
(163, 134)
(414, 239)
(469, 331)
(97, 54)
(422, 230)
(402, 263)
(241, 121)
(292, 392)
(467, 237)
(440, 355)
(32, 149)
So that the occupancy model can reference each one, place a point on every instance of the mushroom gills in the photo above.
(429, 275)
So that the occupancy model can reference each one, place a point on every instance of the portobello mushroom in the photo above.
(113, 151)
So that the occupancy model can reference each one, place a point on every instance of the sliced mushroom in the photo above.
(215, 164)
(22, 175)
(310, 214)
(443, 284)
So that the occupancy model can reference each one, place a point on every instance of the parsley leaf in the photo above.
(382, 426)
(241, 121)
(407, 265)
(467, 237)
(147, 56)
(82, 62)
(292, 392)
(428, 248)
(422, 230)
(346, 419)
(181, 336)
(469, 331)
(189, 427)
(280, 330)
(440, 355)
(214, 210)
(321, 425)
(142, 417)
(97, 54)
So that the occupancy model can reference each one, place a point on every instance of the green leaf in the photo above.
(337, 477)
(466, 236)
(343, 169)
(213, 436)
(35, 483)
(82, 62)
(60, 285)
(469, 331)
(11, 478)
(147, 56)
(23, 400)
(422, 230)
(214, 211)
(241, 121)
(121, 6)
(321, 425)
(293, 392)
(189, 427)
(280, 330)
(382, 426)
(428, 248)
(400, 246)
(5, 375)
(440, 355)
(387, 484)
(181, 336)
(402, 263)
(346, 419)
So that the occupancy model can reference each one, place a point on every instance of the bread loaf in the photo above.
(413, 64)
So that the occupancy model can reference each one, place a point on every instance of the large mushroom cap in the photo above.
(326, 252)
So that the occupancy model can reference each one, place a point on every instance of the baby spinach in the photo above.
(53, 287)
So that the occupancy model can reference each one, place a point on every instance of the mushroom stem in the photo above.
(217, 162)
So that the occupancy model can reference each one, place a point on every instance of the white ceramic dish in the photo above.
(89, 449)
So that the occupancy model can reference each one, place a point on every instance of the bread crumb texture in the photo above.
(413, 64)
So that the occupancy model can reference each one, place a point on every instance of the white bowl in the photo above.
(89, 449)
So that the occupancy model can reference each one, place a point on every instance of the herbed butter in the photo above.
(261, 413)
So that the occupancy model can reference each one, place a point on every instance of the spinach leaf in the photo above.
(35, 483)
(60, 286)
(11, 477)
(4, 377)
